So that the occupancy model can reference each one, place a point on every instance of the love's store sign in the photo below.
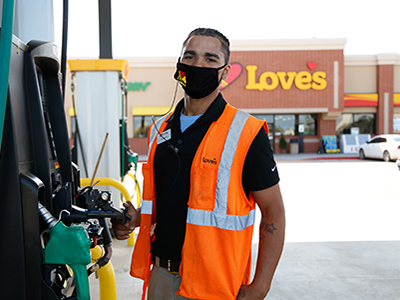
(303, 80)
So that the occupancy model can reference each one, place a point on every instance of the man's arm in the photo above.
(122, 231)
(272, 236)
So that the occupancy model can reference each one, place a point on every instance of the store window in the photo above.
(268, 118)
(285, 125)
(310, 124)
(364, 123)
(396, 123)
(141, 125)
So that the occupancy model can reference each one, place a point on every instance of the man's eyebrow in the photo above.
(208, 54)
(212, 55)
(189, 52)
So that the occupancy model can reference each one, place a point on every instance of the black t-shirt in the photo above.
(172, 165)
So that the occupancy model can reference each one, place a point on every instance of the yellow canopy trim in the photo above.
(100, 65)
(396, 99)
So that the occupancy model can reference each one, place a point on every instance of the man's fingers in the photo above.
(128, 204)
(133, 212)
(130, 208)
(121, 238)
(122, 233)
(119, 226)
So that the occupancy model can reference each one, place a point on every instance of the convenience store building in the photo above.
(304, 89)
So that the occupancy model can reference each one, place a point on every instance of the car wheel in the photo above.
(362, 154)
(386, 156)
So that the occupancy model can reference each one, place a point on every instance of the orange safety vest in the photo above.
(216, 255)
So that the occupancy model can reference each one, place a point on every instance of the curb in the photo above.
(333, 158)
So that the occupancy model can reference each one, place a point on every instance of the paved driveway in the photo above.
(342, 237)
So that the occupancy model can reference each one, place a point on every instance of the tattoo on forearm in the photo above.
(268, 227)
(264, 228)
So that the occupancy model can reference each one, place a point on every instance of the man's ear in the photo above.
(226, 70)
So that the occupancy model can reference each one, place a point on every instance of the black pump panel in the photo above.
(35, 166)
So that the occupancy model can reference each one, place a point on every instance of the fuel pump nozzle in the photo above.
(68, 246)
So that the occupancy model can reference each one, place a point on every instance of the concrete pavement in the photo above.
(342, 237)
(338, 271)
(309, 157)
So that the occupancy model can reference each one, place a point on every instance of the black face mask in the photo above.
(198, 82)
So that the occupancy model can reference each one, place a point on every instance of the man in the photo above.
(209, 164)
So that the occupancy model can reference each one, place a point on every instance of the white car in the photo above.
(398, 158)
(383, 146)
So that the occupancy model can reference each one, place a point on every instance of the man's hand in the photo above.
(122, 231)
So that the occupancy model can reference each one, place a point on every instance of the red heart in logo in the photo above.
(234, 73)
(311, 65)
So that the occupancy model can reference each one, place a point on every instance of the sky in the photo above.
(157, 28)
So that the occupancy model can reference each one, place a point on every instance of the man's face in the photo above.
(204, 51)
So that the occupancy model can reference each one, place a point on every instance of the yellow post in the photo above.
(131, 239)
(120, 187)
(108, 288)
(138, 198)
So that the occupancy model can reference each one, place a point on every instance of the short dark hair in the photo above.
(213, 33)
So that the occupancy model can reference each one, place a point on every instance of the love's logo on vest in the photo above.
(181, 78)
(209, 161)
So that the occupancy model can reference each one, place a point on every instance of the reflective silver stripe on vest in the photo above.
(155, 129)
(213, 219)
(147, 207)
(218, 217)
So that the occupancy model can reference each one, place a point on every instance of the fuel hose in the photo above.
(64, 46)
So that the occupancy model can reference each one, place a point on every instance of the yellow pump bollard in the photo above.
(108, 288)
(131, 240)
(137, 188)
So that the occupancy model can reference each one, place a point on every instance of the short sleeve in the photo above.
(259, 170)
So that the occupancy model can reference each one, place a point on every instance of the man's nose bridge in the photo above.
(198, 62)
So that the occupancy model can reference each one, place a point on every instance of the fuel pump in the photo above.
(49, 221)
(40, 183)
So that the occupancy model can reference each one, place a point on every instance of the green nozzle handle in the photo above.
(70, 246)
(81, 281)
